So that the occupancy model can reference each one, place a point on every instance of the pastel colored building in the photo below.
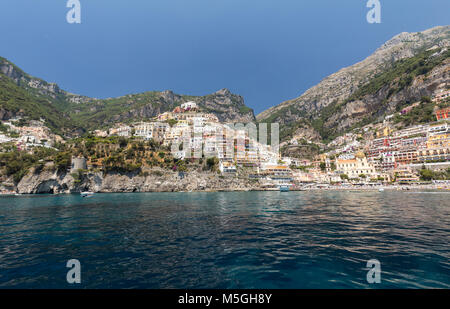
(442, 113)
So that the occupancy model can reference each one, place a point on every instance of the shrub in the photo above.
(344, 176)
(212, 163)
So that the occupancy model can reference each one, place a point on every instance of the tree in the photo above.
(172, 122)
(425, 99)
(333, 166)
(152, 144)
(123, 142)
(62, 161)
(426, 174)
(212, 163)
(323, 166)
(344, 176)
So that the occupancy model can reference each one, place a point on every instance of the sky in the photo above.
(268, 51)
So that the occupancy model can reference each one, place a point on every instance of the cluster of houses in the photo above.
(392, 155)
(382, 153)
(367, 157)
(378, 153)
(194, 134)
(26, 137)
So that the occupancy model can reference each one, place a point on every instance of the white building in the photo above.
(414, 130)
(189, 105)
(227, 168)
(26, 139)
(122, 131)
(144, 130)
(4, 138)
(438, 129)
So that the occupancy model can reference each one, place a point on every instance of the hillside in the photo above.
(24, 95)
(404, 69)
(99, 113)
(17, 99)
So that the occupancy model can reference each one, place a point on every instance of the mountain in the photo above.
(70, 114)
(23, 95)
(98, 113)
(401, 72)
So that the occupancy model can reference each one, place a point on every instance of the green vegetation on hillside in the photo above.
(428, 175)
(111, 154)
(20, 101)
(102, 113)
(17, 163)
(423, 113)
(327, 134)
(401, 74)
(396, 79)
(65, 115)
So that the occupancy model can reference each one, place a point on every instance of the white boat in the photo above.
(284, 188)
(86, 194)
(381, 189)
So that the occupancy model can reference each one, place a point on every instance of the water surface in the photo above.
(226, 240)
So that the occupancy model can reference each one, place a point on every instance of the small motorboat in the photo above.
(284, 188)
(381, 190)
(86, 194)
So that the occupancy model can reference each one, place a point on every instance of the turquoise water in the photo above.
(226, 240)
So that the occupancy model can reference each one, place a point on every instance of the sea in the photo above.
(221, 240)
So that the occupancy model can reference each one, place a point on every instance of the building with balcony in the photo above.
(441, 96)
(356, 167)
(144, 130)
(404, 175)
(442, 113)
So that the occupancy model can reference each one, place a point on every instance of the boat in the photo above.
(381, 190)
(284, 188)
(86, 194)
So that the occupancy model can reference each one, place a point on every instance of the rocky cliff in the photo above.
(36, 85)
(157, 180)
(340, 100)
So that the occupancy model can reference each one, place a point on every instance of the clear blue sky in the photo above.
(265, 50)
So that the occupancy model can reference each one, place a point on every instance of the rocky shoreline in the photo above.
(157, 180)
(162, 180)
